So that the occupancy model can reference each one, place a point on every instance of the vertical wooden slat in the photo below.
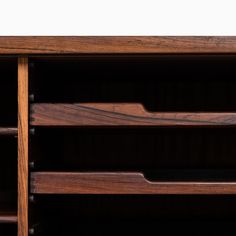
(23, 146)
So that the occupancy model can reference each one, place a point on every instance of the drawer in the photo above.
(133, 91)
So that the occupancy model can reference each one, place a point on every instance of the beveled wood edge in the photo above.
(120, 183)
(116, 44)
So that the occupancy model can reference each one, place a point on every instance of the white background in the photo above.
(117, 17)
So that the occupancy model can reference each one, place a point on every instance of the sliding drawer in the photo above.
(133, 91)
(139, 215)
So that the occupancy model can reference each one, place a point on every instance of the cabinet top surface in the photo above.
(116, 44)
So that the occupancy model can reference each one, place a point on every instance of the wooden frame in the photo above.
(23, 146)
(112, 44)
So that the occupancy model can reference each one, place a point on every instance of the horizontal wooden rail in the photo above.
(114, 44)
(8, 217)
(120, 114)
(119, 183)
(8, 131)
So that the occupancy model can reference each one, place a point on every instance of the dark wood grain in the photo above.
(8, 217)
(8, 131)
(119, 183)
(125, 114)
(23, 146)
(112, 44)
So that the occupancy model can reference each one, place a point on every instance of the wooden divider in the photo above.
(23, 146)
(120, 183)
(121, 114)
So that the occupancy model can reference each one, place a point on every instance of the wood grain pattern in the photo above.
(8, 217)
(123, 44)
(119, 183)
(125, 114)
(23, 146)
(8, 131)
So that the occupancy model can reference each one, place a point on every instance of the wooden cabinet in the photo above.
(121, 135)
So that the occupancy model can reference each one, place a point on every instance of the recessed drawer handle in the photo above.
(121, 114)
(119, 183)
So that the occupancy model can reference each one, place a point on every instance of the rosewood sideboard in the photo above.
(117, 135)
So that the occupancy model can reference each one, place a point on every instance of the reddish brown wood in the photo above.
(89, 114)
(119, 183)
(8, 217)
(104, 115)
(81, 44)
(23, 146)
(8, 131)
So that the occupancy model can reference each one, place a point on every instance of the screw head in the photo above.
(31, 231)
(32, 131)
(31, 198)
(32, 165)
(31, 97)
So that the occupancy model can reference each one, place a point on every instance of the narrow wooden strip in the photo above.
(119, 183)
(114, 44)
(125, 114)
(8, 217)
(23, 146)
(8, 131)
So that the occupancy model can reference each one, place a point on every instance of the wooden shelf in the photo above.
(8, 131)
(119, 183)
(121, 114)
(8, 217)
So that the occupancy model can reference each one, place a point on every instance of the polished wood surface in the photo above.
(119, 183)
(8, 131)
(114, 44)
(46, 54)
(23, 146)
(125, 114)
